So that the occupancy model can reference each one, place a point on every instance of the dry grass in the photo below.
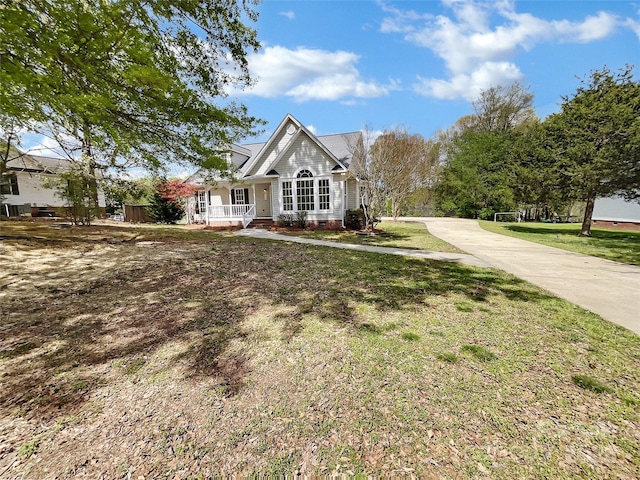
(170, 353)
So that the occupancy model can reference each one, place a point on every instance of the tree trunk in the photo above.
(90, 171)
(585, 231)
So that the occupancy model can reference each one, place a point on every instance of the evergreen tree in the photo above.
(167, 204)
(596, 139)
(163, 210)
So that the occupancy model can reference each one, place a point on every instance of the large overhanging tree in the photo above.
(596, 136)
(122, 83)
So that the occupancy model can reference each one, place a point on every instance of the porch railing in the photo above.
(247, 217)
(245, 213)
(230, 211)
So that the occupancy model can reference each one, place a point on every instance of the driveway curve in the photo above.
(610, 289)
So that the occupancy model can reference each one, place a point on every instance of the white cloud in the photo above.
(290, 15)
(312, 129)
(634, 24)
(469, 86)
(42, 145)
(401, 21)
(591, 29)
(310, 74)
(479, 40)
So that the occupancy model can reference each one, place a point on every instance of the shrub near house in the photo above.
(167, 204)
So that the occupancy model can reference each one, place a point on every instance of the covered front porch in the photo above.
(230, 204)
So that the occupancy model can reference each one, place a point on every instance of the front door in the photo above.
(263, 200)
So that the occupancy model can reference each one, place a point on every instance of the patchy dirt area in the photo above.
(167, 353)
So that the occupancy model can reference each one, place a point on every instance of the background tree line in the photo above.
(503, 158)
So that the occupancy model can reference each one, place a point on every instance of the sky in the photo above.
(342, 66)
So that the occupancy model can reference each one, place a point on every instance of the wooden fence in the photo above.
(136, 214)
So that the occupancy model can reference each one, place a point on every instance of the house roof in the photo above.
(38, 164)
(254, 148)
(340, 145)
(337, 146)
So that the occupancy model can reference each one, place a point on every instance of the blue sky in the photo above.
(339, 66)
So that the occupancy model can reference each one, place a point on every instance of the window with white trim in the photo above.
(323, 194)
(240, 196)
(304, 191)
(287, 196)
(201, 205)
(9, 185)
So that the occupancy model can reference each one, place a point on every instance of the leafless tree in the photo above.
(501, 108)
(406, 162)
(369, 176)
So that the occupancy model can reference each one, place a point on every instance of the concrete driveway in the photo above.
(610, 289)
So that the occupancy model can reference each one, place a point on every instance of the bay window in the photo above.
(306, 192)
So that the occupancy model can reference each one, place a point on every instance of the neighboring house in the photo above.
(293, 171)
(616, 212)
(26, 186)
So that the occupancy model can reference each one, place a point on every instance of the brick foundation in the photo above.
(616, 225)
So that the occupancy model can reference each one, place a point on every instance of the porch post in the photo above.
(343, 195)
(206, 202)
(254, 194)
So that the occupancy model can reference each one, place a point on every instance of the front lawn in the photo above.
(617, 245)
(411, 235)
(164, 353)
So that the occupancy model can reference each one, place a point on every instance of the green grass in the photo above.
(410, 336)
(617, 245)
(479, 352)
(448, 357)
(28, 448)
(589, 383)
(411, 235)
(214, 355)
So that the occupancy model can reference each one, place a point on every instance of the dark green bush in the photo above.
(354, 219)
(163, 210)
(286, 220)
(301, 219)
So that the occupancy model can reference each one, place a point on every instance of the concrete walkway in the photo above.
(610, 289)
(405, 252)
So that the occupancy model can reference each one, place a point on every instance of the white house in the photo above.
(26, 185)
(293, 171)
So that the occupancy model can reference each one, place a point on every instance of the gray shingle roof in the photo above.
(338, 144)
(38, 163)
